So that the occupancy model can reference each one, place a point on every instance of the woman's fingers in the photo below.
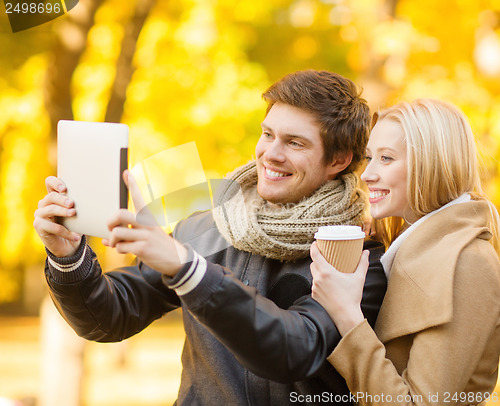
(317, 256)
(319, 262)
(363, 264)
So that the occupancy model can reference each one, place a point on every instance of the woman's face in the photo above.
(386, 171)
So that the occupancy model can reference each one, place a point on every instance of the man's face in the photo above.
(289, 156)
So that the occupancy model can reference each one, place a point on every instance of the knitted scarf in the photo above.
(247, 222)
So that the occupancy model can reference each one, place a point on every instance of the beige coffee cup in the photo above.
(341, 246)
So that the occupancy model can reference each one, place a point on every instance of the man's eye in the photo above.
(295, 144)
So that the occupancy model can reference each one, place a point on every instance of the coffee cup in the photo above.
(341, 246)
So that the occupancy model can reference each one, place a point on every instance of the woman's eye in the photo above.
(385, 158)
(368, 158)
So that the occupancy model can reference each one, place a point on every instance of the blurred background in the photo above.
(194, 70)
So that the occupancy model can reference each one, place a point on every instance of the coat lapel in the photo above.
(420, 287)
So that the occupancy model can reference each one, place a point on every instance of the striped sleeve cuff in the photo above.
(71, 269)
(68, 267)
(193, 276)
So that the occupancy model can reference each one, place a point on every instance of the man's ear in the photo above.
(338, 164)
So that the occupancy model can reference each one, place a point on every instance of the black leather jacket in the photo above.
(237, 312)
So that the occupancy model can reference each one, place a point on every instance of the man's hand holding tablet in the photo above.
(141, 236)
(57, 238)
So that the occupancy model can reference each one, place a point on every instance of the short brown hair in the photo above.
(343, 116)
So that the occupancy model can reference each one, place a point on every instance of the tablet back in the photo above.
(91, 158)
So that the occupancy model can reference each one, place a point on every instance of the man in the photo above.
(242, 264)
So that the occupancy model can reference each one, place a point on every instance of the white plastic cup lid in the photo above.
(339, 233)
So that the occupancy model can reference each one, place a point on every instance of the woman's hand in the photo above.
(339, 293)
(140, 235)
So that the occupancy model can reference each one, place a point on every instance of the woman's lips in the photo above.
(376, 196)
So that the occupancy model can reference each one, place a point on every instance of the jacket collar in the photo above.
(420, 288)
(388, 258)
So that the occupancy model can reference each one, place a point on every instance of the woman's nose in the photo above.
(369, 174)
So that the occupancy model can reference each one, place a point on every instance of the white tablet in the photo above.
(91, 158)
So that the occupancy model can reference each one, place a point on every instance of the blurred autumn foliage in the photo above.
(194, 70)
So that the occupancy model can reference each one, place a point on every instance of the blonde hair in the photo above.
(442, 161)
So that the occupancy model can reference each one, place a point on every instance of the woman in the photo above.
(437, 337)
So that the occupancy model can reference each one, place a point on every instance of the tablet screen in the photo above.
(91, 158)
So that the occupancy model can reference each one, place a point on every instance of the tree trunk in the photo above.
(69, 44)
(124, 66)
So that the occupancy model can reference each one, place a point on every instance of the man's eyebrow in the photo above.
(298, 137)
(288, 135)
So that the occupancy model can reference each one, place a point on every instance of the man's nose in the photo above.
(275, 152)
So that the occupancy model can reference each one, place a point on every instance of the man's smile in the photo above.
(276, 174)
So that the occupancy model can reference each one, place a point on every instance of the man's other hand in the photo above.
(142, 237)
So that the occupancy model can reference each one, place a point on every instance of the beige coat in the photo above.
(437, 336)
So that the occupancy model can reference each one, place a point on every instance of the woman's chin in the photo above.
(375, 214)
